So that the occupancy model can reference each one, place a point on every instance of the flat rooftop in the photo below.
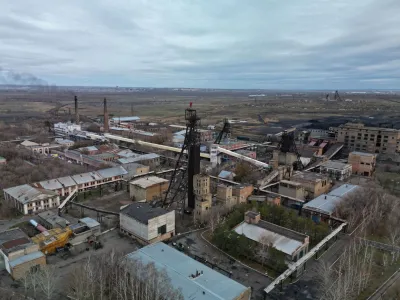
(143, 212)
(308, 176)
(362, 153)
(337, 165)
(280, 242)
(209, 285)
(326, 203)
(148, 181)
(293, 183)
(13, 240)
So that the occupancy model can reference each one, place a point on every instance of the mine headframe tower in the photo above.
(181, 184)
(225, 133)
(287, 145)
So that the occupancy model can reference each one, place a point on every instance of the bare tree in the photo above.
(111, 276)
(264, 244)
(47, 280)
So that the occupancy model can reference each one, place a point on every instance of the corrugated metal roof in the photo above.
(362, 153)
(86, 177)
(111, 172)
(66, 181)
(279, 242)
(89, 222)
(26, 258)
(148, 181)
(127, 153)
(210, 285)
(52, 184)
(26, 193)
(331, 164)
(125, 119)
(326, 203)
(138, 158)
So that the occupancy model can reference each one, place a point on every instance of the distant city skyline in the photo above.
(226, 44)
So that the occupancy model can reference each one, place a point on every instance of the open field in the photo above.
(264, 114)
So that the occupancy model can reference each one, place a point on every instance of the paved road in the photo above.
(385, 286)
(306, 287)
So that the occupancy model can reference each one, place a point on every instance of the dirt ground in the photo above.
(197, 246)
(65, 266)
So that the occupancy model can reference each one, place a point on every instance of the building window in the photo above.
(162, 229)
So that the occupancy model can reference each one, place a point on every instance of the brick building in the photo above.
(148, 188)
(357, 137)
(19, 253)
(362, 163)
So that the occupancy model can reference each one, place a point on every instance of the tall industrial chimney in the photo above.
(76, 111)
(106, 129)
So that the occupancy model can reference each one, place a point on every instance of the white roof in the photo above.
(279, 242)
(138, 158)
(148, 181)
(29, 143)
(26, 193)
(125, 119)
(52, 184)
(326, 203)
(208, 285)
(337, 165)
(86, 177)
(111, 172)
(66, 181)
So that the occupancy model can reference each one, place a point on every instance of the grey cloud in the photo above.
(226, 43)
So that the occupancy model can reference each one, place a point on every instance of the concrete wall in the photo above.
(291, 191)
(242, 192)
(134, 227)
(362, 164)
(156, 191)
(167, 219)
(137, 192)
(18, 271)
(246, 295)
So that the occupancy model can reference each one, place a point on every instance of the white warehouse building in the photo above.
(146, 223)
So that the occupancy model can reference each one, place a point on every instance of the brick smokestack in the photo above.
(106, 129)
(76, 111)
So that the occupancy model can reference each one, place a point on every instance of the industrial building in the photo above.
(85, 229)
(134, 169)
(357, 137)
(147, 223)
(322, 207)
(232, 195)
(195, 280)
(18, 254)
(39, 148)
(65, 129)
(51, 240)
(31, 198)
(336, 170)
(64, 142)
(362, 163)
(293, 244)
(124, 122)
(152, 160)
(227, 175)
(148, 188)
(203, 197)
(314, 184)
(291, 189)
(51, 220)
(271, 199)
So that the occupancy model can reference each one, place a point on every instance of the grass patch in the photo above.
(380, 274)
(263, 269)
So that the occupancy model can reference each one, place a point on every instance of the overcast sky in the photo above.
(306, 44)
